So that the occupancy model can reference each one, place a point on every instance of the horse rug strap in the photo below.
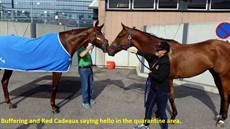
(148, 85)
(42, 54)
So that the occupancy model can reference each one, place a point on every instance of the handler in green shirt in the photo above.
(86, 75)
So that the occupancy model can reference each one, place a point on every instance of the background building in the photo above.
(140, 13)
(74, 13)
(186, 21)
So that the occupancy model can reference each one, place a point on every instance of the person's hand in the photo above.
(133, 50)
(90, 47)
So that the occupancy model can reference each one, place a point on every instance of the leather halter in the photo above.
(126, 44)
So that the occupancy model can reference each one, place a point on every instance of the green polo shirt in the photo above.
(85, 60)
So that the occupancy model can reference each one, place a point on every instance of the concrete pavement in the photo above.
(119, 96)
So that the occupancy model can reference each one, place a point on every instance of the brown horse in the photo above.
(71, 40)
(186, 61)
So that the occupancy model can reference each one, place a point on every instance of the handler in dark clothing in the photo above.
(160, 86)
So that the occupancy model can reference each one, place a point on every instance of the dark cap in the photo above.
(162, 46)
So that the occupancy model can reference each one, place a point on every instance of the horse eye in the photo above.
(120, 36)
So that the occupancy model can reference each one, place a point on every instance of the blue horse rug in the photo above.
(42, 54)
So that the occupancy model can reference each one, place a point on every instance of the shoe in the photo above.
(92, 101)
(141, 127)
(86, 105)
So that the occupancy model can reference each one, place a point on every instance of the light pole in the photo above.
(31, 12)
(33, 26)
(12, 11)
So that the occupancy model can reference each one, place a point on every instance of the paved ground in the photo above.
(119, 96)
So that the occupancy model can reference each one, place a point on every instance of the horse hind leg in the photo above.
(224, 111)
(171, 100)
(221, 84)
(218, 83)
(224, 103)
(5, 81)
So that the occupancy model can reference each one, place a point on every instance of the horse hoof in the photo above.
(12, 106)
(173, 118)
(217, 117)
(55, 110)
(220, 124)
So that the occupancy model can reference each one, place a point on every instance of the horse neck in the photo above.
(74, 39)
(144, 42)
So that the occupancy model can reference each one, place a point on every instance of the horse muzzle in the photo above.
(112, 49)
(104, 47)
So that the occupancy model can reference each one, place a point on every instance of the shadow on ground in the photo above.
(182, 92)
(68, 89)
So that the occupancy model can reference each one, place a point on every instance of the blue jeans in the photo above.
(161, 100)
(86, 77)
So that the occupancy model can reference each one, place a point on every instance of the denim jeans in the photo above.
(86, 77)
(160, 99)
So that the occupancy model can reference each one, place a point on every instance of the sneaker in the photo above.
(86, 105)
(92, 101)
(141, 127)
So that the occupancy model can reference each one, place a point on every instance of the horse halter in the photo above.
(94, 36)
(126, 44)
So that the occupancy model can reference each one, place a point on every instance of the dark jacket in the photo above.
(159, 72)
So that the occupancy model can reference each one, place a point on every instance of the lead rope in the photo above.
(148, 81)
(148, 85)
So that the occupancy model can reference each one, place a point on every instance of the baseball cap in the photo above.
(162, 46)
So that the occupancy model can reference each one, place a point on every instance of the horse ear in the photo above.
(96, 24)
(134, 27)
(101, 26)
(123, 26)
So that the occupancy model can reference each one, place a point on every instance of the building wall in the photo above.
(114, 19)
(165, 24)
(21, 29)
(201, 32)
(138, 19)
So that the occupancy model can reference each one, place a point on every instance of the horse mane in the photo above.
(154, 36)
(73, 31)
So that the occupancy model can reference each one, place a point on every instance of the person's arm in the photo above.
(147, 56)
(83, 53)
(162, 73)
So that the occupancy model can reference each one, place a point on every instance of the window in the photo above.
(197, 4)
(115, 4)
(220, 5)
(168, 4)
(180, 5)
(143, 4)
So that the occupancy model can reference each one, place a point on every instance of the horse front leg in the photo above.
(171, 100)
(5, 81)
(55, 81)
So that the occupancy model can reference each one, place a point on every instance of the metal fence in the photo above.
(69, 13)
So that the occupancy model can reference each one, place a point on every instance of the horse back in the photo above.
(192, 59)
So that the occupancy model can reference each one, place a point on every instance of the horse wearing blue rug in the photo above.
(48, 53)
(45, 53)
